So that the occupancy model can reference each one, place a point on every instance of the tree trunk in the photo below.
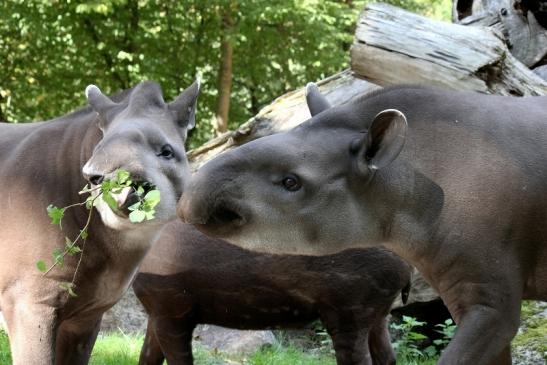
(394, 46)
(224, 73)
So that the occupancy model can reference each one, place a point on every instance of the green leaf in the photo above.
(58, 258)
(73, 250)
(109, 200)
(70, 247)
(137, 216)
(135, 206)
(56, 214)
(84, 234)
(122, 176)
(41, 265)
(152, 198)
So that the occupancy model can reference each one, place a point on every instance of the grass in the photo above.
(534, 333)
(116, 348)
(5, 356)
(121, 349)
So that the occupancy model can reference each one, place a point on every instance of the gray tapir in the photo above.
(41, 164)
(188, 278)
(454, 182)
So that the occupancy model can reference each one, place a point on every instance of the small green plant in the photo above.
(407, 346)
(448, 330)
(144, 209)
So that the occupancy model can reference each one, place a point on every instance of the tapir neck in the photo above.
(409, 210)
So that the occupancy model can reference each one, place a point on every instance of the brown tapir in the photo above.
(41, 164)
(188, 278)
(461, 194)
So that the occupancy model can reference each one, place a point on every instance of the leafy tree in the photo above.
(52, 49)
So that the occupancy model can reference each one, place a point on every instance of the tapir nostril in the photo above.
(96, 179)
(224, 215)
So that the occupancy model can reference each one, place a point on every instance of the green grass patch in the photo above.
(289, 355)
(116, 348)
(534, 335)
(5, 355)
(121, 349)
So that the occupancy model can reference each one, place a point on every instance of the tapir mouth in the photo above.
(130, 195)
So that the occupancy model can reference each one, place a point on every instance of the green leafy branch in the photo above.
(143, 209)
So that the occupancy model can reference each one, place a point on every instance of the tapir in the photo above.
(188, 278)
(49, 162)
(454, 182)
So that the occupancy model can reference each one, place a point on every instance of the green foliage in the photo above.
(407, 346)
(51, 50)
(143, 209)
(56, 214)
(448, 330)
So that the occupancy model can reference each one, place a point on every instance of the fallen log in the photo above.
(283, 113)
(394, 46)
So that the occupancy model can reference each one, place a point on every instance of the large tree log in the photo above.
(394, 46)
(283, 113)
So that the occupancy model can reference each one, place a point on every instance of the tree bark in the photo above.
(225, 73)
(394, 46)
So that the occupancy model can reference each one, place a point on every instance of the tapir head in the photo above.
(144, 136)
(326, 185)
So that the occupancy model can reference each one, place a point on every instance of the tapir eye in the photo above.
(167, 152)
(291, 183)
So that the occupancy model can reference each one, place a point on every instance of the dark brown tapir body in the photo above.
(188, 278)
(49, 163)
(454, 182)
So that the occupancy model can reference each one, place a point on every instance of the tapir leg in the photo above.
(349, 336)
(379, 343)
(151, 353)
(75, 341)
(32, 330)
(175, 339)
(351, 347)
(484, 330)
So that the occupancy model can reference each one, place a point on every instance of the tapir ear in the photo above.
(98, 101)
(184, 106)
(315, 100)
(385, 139)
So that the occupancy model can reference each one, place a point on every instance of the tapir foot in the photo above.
(151, 353)
(174, 336)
